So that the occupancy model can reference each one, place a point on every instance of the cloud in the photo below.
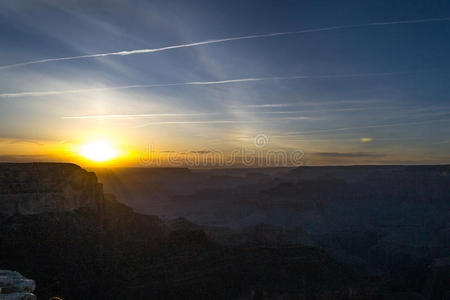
(223, 40)
(24, 141)
(195, 122)
(271, 105)
(347, 154)
(26, 158)
(310, 103)
(194, 83)
(317, 110)
(135, 116)
(274, 115)
(369, 126)
(201, 152)
(294, 118)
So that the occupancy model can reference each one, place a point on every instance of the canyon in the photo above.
(360, 232)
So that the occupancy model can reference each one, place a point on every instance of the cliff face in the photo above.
(36, 188)
(13, 286)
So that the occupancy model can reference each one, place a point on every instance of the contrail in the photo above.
(369, 126)
(223, 40)
(321, 103)
(297, 133)
(143, 116)
(317, 110)
(195, 122)
(77, 91)
(272, 105)
(134, 116)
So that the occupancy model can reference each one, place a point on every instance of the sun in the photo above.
(99, 151)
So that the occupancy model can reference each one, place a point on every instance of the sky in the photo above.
(342, 82)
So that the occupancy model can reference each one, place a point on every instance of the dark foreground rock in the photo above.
(13, 286)
(123, 255)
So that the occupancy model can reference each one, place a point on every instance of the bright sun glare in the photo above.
(99, 151)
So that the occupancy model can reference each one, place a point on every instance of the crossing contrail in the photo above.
(194, 83)
(223, 40)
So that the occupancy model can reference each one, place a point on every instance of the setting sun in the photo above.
(99, 151)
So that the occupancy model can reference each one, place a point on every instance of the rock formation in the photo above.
(13, 286)
(388, 227)
(35, 188)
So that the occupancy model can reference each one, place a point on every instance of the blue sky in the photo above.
(366, 94)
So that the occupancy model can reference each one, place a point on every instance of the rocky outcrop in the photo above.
(13, 286)
(35, 188)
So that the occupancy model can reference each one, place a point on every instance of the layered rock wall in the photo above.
(35, 188)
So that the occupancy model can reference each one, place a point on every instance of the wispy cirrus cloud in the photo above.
(169, 115)
(317, 110)
(271, 105)
(223, 40)
(200, 83)
(370, 126)
(197, 122)
(23, 141)
(137, 116)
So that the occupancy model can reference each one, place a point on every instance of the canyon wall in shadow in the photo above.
(360, 232)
